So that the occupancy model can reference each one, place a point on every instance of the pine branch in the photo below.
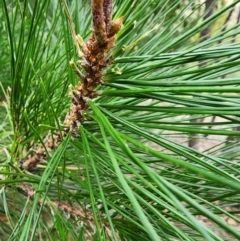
(74, 211)
(92, 60)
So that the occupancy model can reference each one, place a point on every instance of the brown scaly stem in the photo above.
(75, 212)
(92, 60)
(107, 10)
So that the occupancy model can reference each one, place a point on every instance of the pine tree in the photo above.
(105, 99)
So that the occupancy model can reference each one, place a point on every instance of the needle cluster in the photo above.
(89, 68)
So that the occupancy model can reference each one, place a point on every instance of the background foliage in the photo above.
(130, 174)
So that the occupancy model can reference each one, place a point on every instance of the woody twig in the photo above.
(92, 61)
(74, 212)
